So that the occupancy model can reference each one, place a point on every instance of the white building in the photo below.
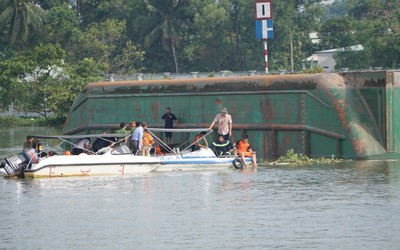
(325, 58)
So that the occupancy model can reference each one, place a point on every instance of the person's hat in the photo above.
(224, 110)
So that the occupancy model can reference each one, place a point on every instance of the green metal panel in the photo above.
(393, 111)
(322, 114)
(323, 146)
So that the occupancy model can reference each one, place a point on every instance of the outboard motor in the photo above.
(16, 164)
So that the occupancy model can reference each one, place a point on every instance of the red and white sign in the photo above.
(263, 9)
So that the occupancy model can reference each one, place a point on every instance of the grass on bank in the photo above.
(293, 158)
(13, 121)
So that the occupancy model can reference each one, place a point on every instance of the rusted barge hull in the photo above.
(351, 115)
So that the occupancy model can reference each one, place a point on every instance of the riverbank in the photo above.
(12, 121)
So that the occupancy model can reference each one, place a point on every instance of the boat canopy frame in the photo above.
(66, 138)
(183, 130)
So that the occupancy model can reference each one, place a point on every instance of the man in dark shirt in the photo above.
(223, 146)
(30, 143)
(169, 119)
(102, 142)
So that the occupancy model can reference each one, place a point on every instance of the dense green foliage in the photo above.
(49, 49)
(11, 121)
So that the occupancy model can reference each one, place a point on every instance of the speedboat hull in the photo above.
(201, 160)
(57, 166)
(194, 156)
(80, 165)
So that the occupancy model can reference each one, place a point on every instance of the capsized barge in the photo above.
(349, 115)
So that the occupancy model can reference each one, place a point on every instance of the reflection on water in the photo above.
(352, 205)
(343, 206)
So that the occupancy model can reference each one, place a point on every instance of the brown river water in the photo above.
(353, 205)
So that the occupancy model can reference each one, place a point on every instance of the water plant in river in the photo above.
(291, 157)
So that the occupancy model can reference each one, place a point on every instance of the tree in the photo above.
(246, 51)
(78, 75)
(209, 44)
(27, 78)
(165, 20)
(381, 32)
(107, 44)
(293, 21)
(337, 33)
(62, 27)
(12, 71)
(375, 25)
(21, 17)
(41, 81)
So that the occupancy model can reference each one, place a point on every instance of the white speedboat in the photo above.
(181, 158)
(111, 160)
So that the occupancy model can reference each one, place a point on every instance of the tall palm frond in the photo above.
(165, 21)
(20, 17)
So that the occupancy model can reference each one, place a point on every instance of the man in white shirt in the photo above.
(224, 121)
(80, 146)
(137, 137)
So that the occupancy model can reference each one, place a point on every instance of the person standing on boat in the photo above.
(30, 143)
(137, 138)
(132, 126)
(224, 121)
(147, 142)
(169, 119)
(131, 129)
(122, 129)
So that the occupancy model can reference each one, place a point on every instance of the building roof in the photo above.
(357, 47)
(312, 58)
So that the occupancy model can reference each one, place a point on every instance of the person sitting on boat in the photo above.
(103, 142)
(40, 151)
(147, 142)
(30, 143)
(80, 146)
(223, 147)
(244, 150)
(196, 141)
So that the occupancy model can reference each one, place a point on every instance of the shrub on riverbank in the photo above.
(12, 121)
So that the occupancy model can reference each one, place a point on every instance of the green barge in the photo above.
(349, 115)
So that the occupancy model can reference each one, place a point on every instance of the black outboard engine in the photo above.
(16, 165)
